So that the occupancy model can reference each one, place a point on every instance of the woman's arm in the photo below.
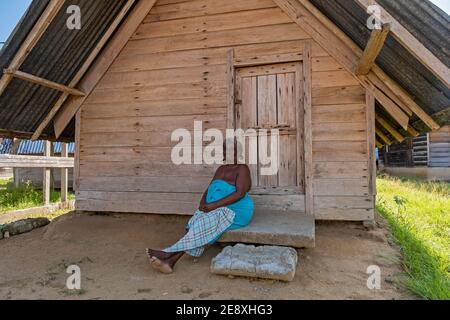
(203, 203)
(203, 200)
(243, 185)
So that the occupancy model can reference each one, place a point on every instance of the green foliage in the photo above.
(418, 213)
(23, 197)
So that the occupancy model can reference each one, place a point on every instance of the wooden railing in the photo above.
(47, 163)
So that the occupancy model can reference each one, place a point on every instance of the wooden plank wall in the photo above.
(172, 72)
(439, 148)
(342, 175)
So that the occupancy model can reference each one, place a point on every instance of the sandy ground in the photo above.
(109, 249)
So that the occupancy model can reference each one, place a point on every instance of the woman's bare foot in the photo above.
(160, 260)
(163, 261)
(161, 255)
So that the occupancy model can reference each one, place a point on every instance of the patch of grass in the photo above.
(23, 197)
(4, 183)
(418, 213)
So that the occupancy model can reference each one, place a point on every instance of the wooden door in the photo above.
(269, 97)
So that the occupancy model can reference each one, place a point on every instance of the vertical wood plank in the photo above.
(267, 118)
(64, 175)
(16, 172)
(286, 99)
(249, 102)
(249, 119)
(238, 101)
(231, 121)
(307, 105)
(267, 101)
(283, 169)
(46, 181)
(300, 111)
(287, 176)
(76, 169)
(370, 122)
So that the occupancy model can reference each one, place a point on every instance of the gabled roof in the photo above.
(60, 53)
(429, 24)
(57, 56)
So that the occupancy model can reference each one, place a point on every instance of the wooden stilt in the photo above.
(46, 181)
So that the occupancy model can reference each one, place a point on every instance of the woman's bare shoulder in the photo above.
(243, 168)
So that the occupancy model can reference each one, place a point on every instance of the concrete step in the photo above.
(290, 229)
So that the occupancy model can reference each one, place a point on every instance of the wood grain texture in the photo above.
(177, 69)
(308, 129)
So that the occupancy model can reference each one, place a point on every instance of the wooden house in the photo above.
(138, 70)
(426, 156)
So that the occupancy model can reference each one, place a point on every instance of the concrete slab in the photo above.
(290, 229)
(266, 262)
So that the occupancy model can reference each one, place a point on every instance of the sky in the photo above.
(12, 10)
(10, 13)
(443, 4)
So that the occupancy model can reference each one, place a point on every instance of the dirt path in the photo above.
(110, 252)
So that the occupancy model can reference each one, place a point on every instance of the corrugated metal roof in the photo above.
(424, 20)
(28, 147)
(58, 55)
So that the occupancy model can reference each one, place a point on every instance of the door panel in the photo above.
(286, 99)
(267, 97)
(267, 101)
(249, 114)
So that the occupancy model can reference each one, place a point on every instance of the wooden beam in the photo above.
(412, 132)
(385, 124)
(31, 40)
(342, 48)
(383, 137)
(10, 134)
(82, 71)
(15, 151)
(371, 139)
(307, 115)
(17, 161)
(379, 144)
(412, 44)
(43, 82)
(64, 175)
(405, 97)
(372, 50)
(388, 104)
(76, 168)
(47, 174)
(267, 59)
(67, 111)
(378, 83)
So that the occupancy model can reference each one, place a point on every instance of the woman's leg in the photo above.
(204, 229)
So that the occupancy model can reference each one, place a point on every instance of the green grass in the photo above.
(418, 213)
(26, 196)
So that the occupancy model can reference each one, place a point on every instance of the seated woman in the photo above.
(225, 205)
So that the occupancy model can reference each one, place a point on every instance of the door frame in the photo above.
(304, 95)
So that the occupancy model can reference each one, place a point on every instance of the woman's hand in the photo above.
(206, 208)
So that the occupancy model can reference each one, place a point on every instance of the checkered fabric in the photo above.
(203, 229)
